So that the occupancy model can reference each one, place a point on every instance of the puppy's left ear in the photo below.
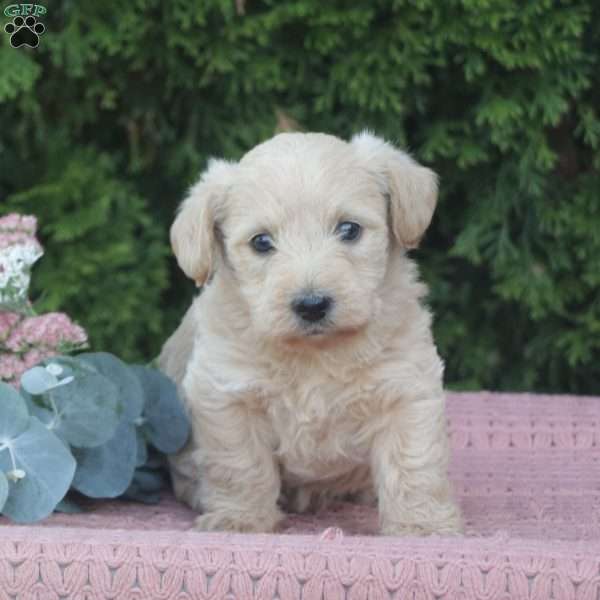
(411, 188)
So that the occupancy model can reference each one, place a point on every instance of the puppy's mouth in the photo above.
(320, 329)
(321, 335)
(315, 331)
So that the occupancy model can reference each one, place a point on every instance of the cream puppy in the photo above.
(307, 363)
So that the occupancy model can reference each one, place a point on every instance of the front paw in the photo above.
(239, 522)
(444, 521)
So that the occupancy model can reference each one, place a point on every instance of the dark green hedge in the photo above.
(105, 124)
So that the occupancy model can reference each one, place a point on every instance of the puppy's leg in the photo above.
(409, 461)
(364, 498)
(304, 499)
(239, 477)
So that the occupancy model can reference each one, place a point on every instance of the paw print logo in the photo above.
(24, 32)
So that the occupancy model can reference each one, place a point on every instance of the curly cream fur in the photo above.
(278, 414)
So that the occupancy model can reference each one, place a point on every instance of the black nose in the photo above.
(312, 307)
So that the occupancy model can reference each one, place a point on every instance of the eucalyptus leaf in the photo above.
(156, 460)
(38, 380)
(14, 416)
(142, 448)
(166, 425)
(49, 468)
(87, 410)
(107, 470)
(68, 506)
(146, 486)
(3, 490)
(150, 480)
(135, 493)
(71, 364)
(131, 393)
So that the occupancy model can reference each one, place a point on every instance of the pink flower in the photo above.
(11, 368)
(17, 229)
(7, 322)
(26, 341)
(35, 356)
(27, 223)
(19, 250)
(15, 238)
(47, 331)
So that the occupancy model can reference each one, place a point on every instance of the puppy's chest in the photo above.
(320, 429)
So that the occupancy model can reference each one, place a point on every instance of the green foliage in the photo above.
(84, 413)
(39, 466)
(165, 422)
(106, 123)
(88, 423)
(105, 260)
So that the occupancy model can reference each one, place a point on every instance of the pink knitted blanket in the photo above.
(525, 470)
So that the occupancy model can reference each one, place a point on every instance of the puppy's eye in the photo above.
(348, 231)
(262, 243)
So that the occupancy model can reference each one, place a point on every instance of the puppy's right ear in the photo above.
(193, 236)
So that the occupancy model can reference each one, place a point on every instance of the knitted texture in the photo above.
(525, 471)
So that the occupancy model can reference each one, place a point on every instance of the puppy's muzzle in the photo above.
(312, 307)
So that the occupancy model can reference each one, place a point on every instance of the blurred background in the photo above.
(109, 120)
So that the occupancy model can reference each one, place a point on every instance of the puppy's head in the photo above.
(303, 225)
